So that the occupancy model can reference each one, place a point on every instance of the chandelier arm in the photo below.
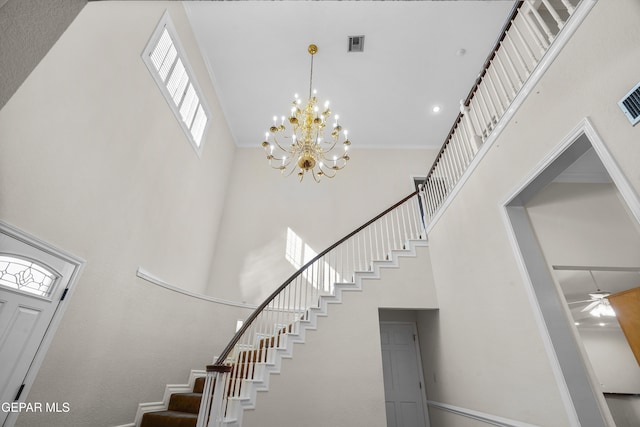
(290, 170)
(275, 140)
(333, 145)
(328, 172)
(323, 157)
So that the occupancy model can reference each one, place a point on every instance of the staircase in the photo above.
(270, 333)
(182, 410)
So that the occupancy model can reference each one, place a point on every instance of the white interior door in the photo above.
(33, 281)
(404, 396)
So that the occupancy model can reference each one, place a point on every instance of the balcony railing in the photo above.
(526, 37)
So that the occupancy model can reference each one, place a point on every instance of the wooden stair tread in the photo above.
(169, 419)
(185, 402)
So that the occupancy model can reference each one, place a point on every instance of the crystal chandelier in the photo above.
(301, 144)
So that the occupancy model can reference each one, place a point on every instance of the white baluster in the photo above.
(377, 239)
(554, 14)
(535, 32)
(475, 138)
(519, 56)
(464, 157)
(569, 6)
(487, 125)
(492, 80)
(447, 170)
(404, 223)
(453, 161)
(541, 23)
(498, 59)
(524, 43)
(431, 199)
(493, 111)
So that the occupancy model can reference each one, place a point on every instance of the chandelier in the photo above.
(301, 145)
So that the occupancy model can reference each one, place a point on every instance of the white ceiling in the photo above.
(576, 284)
(257, 56)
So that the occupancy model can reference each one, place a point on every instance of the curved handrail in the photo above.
(247, 323)
(474, 89)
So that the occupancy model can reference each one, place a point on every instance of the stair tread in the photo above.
(174, 414)
(169, 419)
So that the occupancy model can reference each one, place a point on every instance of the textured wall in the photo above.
(28, 29)
(93, 161)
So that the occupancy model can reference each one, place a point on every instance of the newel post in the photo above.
(211, 412)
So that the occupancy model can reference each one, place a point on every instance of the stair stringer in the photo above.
(260, 382)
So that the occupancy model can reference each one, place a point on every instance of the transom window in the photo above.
(26, 276)
(167, 63)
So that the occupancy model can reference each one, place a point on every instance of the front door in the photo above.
(403, 389)
(33, 281)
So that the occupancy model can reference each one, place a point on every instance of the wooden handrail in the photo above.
(474, 89)
(247, 323)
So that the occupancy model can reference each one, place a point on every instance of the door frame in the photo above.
(78, 265)
(579, 388)
(416, 343)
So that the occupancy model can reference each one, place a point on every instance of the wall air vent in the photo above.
(630, 105)
(356, 43)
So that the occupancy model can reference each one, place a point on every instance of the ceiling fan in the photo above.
(598, 304)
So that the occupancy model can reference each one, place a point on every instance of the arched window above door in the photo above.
(26, 276)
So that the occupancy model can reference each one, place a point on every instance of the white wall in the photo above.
(93, 161)
(580, 224)
(261, 204)
(335, 378)
(487, 337)
(612, 360)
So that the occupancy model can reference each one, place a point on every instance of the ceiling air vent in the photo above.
(356, 43)
(630, 105)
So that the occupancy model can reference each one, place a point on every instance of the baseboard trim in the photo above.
(145, 275)
(477, 415)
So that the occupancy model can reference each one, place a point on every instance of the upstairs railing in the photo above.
(526, 37)
(531, 28)
(291, 303)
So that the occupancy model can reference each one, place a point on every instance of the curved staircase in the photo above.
(269, 334)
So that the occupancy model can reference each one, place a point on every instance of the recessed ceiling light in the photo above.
(576, 323)
(461, 52)
(436, 109)
(602, 324)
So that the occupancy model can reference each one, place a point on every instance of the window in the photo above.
(170, 69)
(25, 276)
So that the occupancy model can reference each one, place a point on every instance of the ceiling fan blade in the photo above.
(579, 302)
(591, 306)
